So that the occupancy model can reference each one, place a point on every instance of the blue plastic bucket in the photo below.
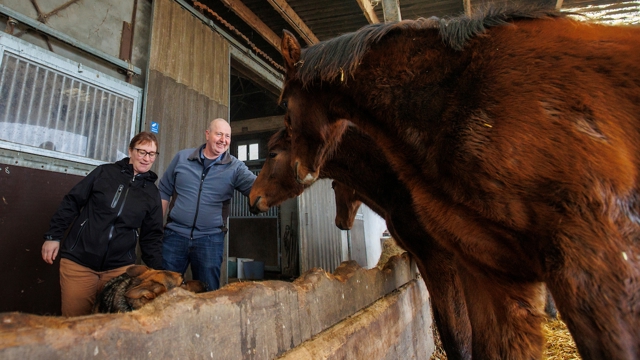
(254, 270)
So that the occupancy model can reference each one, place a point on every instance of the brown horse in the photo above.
(348, 202)
(517, 134)
(276, 183)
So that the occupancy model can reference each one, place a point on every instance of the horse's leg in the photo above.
(506, 319)
(449, 308)
(595, 282)
(441, 278)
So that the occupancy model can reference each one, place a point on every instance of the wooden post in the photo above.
(467, 7)
(391, 10)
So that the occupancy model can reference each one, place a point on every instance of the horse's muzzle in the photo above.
(254, 207)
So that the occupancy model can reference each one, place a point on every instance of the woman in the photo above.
(107, 208)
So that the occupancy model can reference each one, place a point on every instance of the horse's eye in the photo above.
(283, 105)
(272, 155)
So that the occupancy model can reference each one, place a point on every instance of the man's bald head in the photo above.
(218, 138)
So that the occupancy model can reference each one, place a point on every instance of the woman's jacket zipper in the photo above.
(79, 233)
(135, 236)
(113, 224)
(116, 197)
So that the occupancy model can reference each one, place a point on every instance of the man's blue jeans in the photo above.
(204, 254)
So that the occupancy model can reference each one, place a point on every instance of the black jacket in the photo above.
(109, 206)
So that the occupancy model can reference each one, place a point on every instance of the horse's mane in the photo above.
(341, 56)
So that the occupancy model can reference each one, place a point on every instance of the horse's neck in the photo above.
(359, 164)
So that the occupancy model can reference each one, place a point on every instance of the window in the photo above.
(54, 107)
(248, 151)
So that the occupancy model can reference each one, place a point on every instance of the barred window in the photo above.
(55, 107)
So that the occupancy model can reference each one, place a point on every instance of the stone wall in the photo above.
(383, 310)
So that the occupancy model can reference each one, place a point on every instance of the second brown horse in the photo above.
(381, 190)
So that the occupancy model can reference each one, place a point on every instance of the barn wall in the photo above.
(188, 84)
(365, 242)
(96, 23)
(374, 226)
(249, 320)
(322, 244)
(289, 220)
(32, 184)
(28, 198)
(255, 238)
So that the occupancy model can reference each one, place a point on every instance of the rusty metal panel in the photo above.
(188, 51)
(28, 199)
(209, 76)
(159, 34)
(322, 244)
(175, 37)
(198, 61)
(126, 39)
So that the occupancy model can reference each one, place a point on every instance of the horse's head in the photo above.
(312, 118)
(276, 181)
(347, 204)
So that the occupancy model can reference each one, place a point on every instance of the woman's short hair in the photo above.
(143, 138)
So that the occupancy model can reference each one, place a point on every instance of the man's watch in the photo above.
(49, 237)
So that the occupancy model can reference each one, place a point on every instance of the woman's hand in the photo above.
(50, 250)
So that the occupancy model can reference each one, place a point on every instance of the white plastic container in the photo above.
(241, 262)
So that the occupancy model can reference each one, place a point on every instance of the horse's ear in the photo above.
(290, 48)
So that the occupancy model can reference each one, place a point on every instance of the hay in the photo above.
(559, 346)
(389, 248)
(438, 353)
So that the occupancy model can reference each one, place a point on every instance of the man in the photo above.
(202, 181)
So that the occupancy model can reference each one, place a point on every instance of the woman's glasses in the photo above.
(143, 153)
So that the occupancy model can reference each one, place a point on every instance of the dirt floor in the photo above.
(560, 345)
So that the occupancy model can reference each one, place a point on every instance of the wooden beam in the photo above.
(391, 10)
(254, 21)
(263, 124)
(368, 11)
(467, 7)
(290, 16)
